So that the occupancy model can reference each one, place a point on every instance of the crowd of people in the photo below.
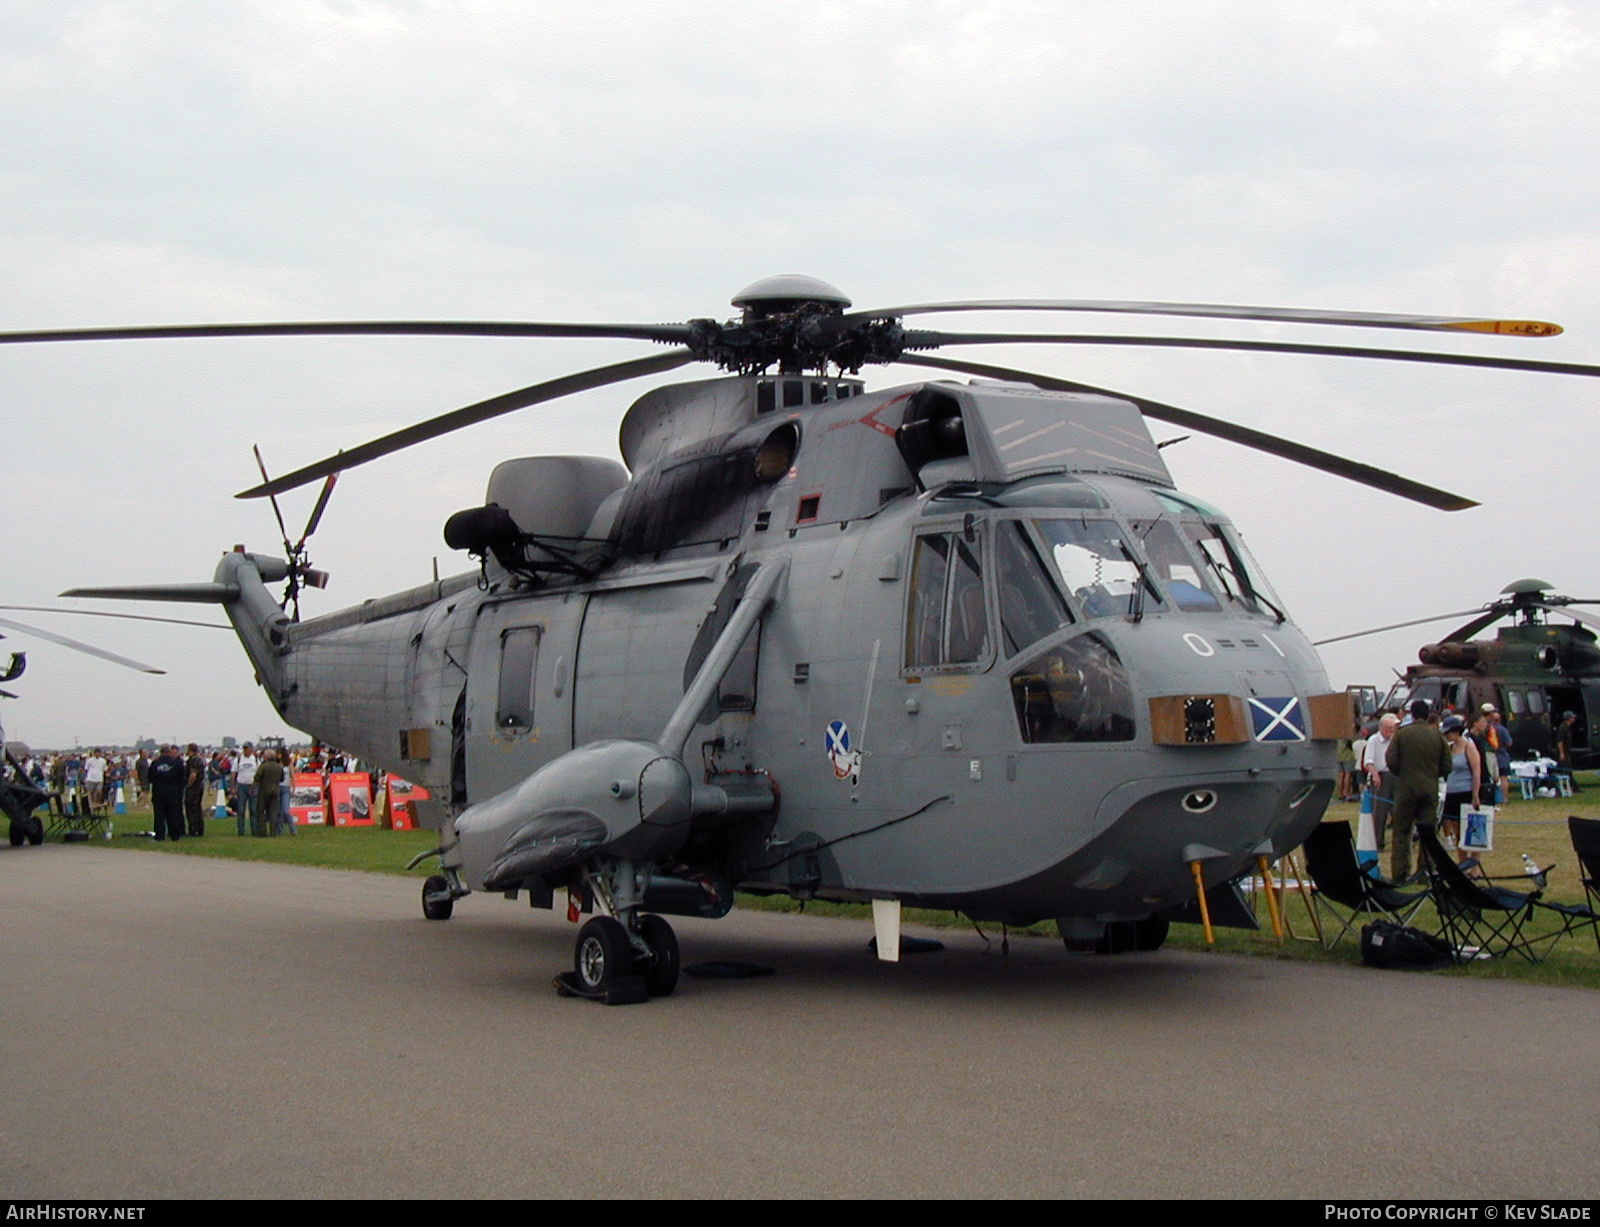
(1402, 757)
(184, 784)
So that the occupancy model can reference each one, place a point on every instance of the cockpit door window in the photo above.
(947, 623)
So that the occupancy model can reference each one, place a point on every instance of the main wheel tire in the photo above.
(661, 971)
(35, 830)
(18, 835)
(1150, 933)
(602, 953)
(437, 909)
(1120, 937)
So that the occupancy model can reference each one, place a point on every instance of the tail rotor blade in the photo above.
(283, 529)
(316, 512)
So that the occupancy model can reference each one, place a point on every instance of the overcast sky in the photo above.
(197, 160)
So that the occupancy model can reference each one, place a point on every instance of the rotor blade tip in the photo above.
(1509, 328)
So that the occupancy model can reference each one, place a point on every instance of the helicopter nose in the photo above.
(1161, 826)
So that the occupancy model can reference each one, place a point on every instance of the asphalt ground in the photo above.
(187, 1027)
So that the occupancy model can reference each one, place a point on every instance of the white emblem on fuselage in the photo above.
(845, 759)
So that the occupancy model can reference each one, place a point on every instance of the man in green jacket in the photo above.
(1419, 758)
(268, 776)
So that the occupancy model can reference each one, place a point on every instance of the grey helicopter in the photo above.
(955, 644)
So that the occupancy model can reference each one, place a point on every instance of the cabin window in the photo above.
(1514, 703)
(1030, 607)
(1096, 565)
(1076, 691)
(737, 691)
(1536, 704)
(519, 664)
(947, 623)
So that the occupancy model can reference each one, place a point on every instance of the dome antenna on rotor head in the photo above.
(785, 293)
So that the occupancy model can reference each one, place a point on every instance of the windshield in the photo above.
(1097, 566)
(1175, 568)
(1231, 570)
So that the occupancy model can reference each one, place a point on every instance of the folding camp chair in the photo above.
(1330, 852)
(1585, 834)
(1477, 917)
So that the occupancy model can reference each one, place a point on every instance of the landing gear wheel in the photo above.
(35, 831)
(434, 907)
(17, 835)
(603, 954)
(1150, 933)
(1120, 936)
(661, 971)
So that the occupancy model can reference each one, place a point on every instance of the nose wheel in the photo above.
(438, 901)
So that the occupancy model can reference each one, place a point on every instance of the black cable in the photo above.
(852, 835)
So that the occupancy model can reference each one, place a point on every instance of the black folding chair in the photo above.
(1340, 882)
(1585, 834)
(1480, 919)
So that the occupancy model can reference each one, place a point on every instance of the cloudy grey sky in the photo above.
(190, 160)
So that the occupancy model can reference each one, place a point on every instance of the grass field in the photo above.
(1538, 828)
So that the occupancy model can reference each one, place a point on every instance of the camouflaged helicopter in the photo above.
(1533, 671)
(958, 645)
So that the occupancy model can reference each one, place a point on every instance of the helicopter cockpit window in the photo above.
(519, 664)
(1030, 607)
(1231, 569)
(947, 624)
(1175, 568)
(1097, 566)
(1076, 691)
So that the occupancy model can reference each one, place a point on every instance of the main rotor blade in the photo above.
(76, 646)
(1488, 617)
(1366, 474)
(1394, 626)
(554, 389)
(934, 340)
(1581, 615)
(102, 613)
(336, 328)
(1218, 311)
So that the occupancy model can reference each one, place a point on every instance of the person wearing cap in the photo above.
(1419, 759)
(1463, 784)
(1500, 743)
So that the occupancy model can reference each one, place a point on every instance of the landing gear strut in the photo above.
(629, 955)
